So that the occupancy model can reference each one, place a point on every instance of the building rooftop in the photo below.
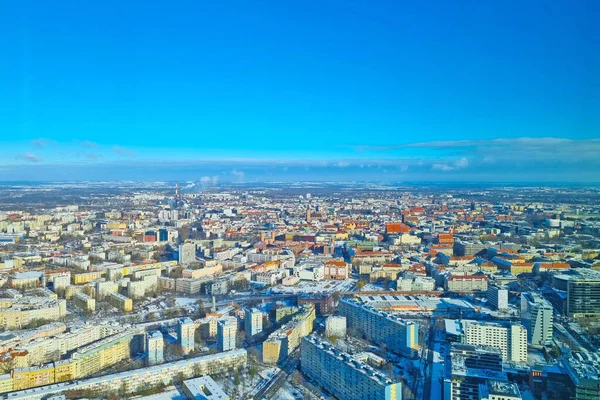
(353, 362)
(204, 388)
(500, 388)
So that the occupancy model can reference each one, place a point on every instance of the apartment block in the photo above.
(287, 338)
(121, 302)
(85, 302)
(186, 331)
(497, 297)
(336, 269)
(510, 339)
(399, 335)
(344, 376)
(155, 346)
(17, 313)
(253, 322)
(226, 334)
(134, 380)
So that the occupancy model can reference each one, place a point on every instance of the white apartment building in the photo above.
(497, 297)
(511, 339)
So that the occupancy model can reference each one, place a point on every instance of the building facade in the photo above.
(537, 316)
(155, 346)
(343, 375)
(253, 322)
(226, 334)
(186, 330)
(399, 335)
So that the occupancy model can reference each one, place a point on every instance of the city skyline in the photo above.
(336, 91)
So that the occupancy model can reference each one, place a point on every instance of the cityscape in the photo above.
(258, 291)
(310, 200)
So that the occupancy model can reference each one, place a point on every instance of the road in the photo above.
(428, 362)
(277, 381)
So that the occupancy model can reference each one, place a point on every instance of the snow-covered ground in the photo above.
(170, 393)
(184, 301)
(369, 287)
(326, 286)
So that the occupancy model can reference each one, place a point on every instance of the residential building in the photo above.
(399, 335)
(155, 346)
(133, 380)
(337, 269)
(187, 253)
(18, 313)
(497, 297)
(510, 339)
(323, 302)
(253, 322)
(286, 339)
(121, 302)
(467, 283)
(186, 331)
(344, 376)
(85, 302)
(226, 334)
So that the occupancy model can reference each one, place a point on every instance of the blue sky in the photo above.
(280, 90)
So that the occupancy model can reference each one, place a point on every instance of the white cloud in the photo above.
(123, 151)
(34, 158)
(238, 174)
(209, 180)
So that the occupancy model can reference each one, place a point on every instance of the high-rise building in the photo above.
(399, 335)
(537, 315)
(253, 320)
(155, 346)
(187, 253)
(583, 291)
(468, 367)
(343, 375)
(226, 334)
(186, 330)
(497, 297)
(286, 339)
(510, 339)
(584, 370)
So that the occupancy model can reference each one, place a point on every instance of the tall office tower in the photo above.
(537, 316)
(187, 253)
(253, 322)
(155, 346)
(226, 334)
(497, 297)
(186, 330)
(583, 291)
(343, 375)
(399, 335)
